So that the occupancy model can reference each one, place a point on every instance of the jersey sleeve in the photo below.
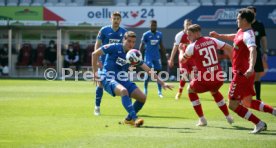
(108, 48)
(249, 38)
(177, 39)
(100, 35)
(220, 44)
(189, 52)
(143, 39)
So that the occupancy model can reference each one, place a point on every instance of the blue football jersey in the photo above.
(115, 60)
(107, 35)
(152, 44)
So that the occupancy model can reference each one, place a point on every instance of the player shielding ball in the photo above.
(209, 79)
(115, 63)
(244, 57)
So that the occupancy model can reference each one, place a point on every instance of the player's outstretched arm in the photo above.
(229, 37)
(173, 52)
(141, 47)
(228, 50)
(94, 61)
(152, 73)
(97, 46)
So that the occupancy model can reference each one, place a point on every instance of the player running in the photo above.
(180, 44)
(108, 34)
(115, 63)
(209, 78)
(152, 44)
(244, 57)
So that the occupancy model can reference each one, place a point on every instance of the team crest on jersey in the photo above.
(121, 61)
(114, 41)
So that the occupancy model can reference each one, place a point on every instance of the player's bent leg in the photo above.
(98, 99)
(257, 105)
(140, 98)
(120, 90)
(222, 105)
(197, 107)
(246, 114)
(146, 84)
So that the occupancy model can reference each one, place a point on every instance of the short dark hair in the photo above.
(247, 14)
(153, 21)
(130, 34)
(194, 28)
(116, 13)
(252, 8)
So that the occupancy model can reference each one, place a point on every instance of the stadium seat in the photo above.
(121, 2)
(63, 2)
(134, 2)
(233, 2)
(181, 3)
(220, 2)
(206, 2)
(260, 2)
(159, 2)
(12, 2)
(25, 3)
(271, 2)
(246, 2)
(39, 55)
(193, 2)
(37, 3)
(146, 2)
(25, 55)
(2, 3)
(80, 2)
(87, 55)
(51, 2)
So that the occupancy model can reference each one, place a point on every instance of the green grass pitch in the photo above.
(38, 113)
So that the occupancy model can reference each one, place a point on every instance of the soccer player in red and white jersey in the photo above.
(243, 61)
(180, 44)
(209, 73)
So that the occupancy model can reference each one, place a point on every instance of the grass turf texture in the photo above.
(37, 113)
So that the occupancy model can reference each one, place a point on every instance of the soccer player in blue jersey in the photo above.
(152, 44)
(108, 34)
(115, 63)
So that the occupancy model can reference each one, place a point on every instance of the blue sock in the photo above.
(137, 107)
(159, 89)
(126, 101)
(99, 95)
(146, 85)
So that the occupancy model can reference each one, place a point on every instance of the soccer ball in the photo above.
(134, 57)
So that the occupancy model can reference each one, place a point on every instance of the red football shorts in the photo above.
(201, 86)
(241, 87)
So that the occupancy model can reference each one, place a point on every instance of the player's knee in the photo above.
(246, 102)
(124, 92)
(233, 105)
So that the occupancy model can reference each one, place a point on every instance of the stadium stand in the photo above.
(25, 2)
(25, 55)
(135, 2)
(39, 55)
(12, 2)
(37, 3)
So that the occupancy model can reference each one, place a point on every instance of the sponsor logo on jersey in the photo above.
(114, 41)
(121, 61)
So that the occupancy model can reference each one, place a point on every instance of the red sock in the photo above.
(196, 104)
(245, 113)
(221, 103)
(260, 106)
(181, 86)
